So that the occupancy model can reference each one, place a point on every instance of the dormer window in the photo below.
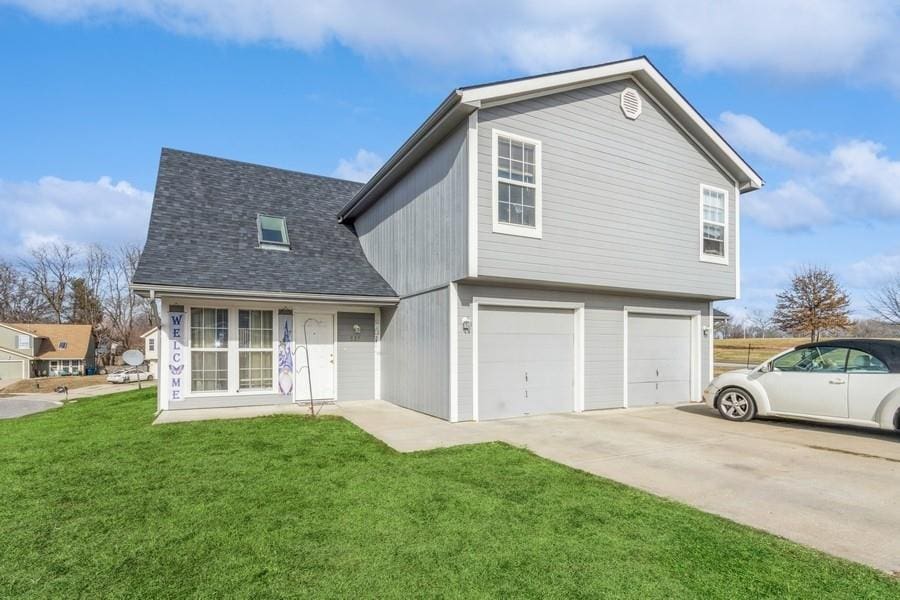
(63, 345)
(272, 231)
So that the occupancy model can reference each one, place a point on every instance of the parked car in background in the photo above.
(853, 381)
(129, 376)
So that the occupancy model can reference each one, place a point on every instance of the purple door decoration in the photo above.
(285, 354)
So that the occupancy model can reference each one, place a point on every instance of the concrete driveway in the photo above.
(834, 489)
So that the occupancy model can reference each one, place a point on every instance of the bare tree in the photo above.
(127, 313)
(762, 323)
(18, 301)
(51, 270)
(874, 328)
(814, 303)
(886, 302)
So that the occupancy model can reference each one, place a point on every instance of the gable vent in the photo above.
(631, 103)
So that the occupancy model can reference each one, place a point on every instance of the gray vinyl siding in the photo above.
(604, 341)
(415, 359)
(355, 356)
(621, 198)
(8, 340)
(415, 234)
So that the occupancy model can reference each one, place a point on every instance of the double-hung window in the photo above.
(256, 350)
(209, 349)
(23, 342)
(517, 185)
(714, 225)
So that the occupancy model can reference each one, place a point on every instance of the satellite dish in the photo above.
(133, 357)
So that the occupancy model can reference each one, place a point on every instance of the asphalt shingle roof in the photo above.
(203, 230)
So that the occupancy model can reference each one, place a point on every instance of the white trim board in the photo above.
(696, 370)
(577, 309)
(472, 168)
(453, 304)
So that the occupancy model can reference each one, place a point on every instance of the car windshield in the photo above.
(817, 359)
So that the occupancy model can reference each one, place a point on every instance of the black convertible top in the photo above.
(887, 351)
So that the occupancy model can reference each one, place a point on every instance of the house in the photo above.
(45, 349)
(151, 350)
(720, 321)
(545, 244)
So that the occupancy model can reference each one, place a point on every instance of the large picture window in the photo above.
(714, 224)
(517, 192)
(255, 349)
(209, 349)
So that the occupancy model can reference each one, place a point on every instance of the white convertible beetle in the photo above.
(854, 382)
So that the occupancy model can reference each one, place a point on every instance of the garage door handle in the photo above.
(838, 381)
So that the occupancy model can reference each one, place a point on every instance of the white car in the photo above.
(854, 382)
(128, 376)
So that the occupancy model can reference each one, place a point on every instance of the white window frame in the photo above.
(712, 258)
(190, 349)
(283, 245)
(23, 341)
(272, 350)
(151, 344)
(508, 228)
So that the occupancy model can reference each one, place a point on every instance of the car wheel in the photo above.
(736, 404)
(149, 378)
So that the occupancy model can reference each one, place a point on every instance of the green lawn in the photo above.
(94, 501)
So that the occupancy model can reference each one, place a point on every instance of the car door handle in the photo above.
(838, 381)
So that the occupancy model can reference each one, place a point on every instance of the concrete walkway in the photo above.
(831, 488)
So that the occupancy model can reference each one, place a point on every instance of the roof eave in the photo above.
(144, 289)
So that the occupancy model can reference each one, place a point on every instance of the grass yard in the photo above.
(735, 350)
(96, 502)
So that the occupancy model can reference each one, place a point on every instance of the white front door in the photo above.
(810, 381)
(314, 338)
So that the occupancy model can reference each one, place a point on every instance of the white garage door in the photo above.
(10, 370)
(659, 359)
(526, 361)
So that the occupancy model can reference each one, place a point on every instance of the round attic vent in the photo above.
(631, 103)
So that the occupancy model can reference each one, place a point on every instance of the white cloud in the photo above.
(790, 206)
(749, 134)
(843, 38)
(871, 179)
(872, 271)
(854, 180)
(359, 168)
(79, 212)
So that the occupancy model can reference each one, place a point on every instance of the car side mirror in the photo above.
(766, 368)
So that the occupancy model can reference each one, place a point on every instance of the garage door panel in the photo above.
(10, 370)
(508, 320)
(525, 361)
(663, 369)
(659, 359)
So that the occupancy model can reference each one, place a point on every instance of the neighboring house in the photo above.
(720, 320)
(545, 244)
(44, 349)
(151, 351)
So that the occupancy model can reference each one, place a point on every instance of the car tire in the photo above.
(736, 404)
(149, 378)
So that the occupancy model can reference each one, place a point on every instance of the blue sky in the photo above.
(90, 90)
